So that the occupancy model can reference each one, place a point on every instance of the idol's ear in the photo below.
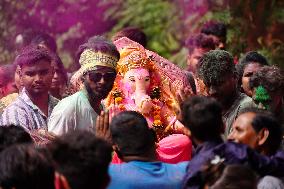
(60, 181)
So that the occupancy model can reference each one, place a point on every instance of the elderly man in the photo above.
(98, 58)
(262, 132)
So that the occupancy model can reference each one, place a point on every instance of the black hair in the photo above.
(22, 167)
(249, 58)
(7, 73)
(270, 77)
(215, 28)
(11, 134)
(82, 158)
(99, 44)
(32, 54)
(35, 37)
(45, 39)
(199, 41)
(57, 60)
(214, 66)
(221, 176)
(130, 131)
(203, 117)
(264, 119)
(133, 33)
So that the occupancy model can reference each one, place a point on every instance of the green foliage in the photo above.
(252, 25)
(68, 21)
(262, 96)
(159, 19)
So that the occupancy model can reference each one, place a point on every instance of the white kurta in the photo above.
(72, 113)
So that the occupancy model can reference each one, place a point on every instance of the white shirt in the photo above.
(72, 113)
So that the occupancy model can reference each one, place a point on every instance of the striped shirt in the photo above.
(23, 112)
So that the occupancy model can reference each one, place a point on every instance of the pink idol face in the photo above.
(136, 79)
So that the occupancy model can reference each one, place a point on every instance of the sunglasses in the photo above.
(97, 76)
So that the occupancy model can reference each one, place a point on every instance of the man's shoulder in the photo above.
(178, 166)
(246, 101)
(137, 165)
(54, 100)
(70, 102)
(18, 104)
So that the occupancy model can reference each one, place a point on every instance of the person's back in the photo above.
(141, 174)
(134, 143)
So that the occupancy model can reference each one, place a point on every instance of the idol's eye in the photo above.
(147, 79)
(132, 79)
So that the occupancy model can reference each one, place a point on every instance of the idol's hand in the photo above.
(144, 103)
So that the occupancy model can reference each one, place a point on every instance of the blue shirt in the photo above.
(138, 174)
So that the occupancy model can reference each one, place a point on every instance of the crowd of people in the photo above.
(129, 118)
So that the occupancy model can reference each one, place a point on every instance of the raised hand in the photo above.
(102, 126)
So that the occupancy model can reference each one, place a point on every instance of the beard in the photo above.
(95, 94)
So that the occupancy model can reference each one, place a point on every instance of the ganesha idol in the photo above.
(141, 86)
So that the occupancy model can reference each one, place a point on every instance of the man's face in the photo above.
(220, 42)
(18, 81)
(100, 82)
(194, 57)
(6, 88)
(58, 79)
(36, 78)
(224, 90)
(243, 132)
(249, 70)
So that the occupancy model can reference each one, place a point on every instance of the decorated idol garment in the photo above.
(144, 84)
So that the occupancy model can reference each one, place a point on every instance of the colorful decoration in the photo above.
(262, 96)
(141, 86)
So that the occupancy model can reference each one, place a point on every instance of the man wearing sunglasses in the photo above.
(98, 59)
